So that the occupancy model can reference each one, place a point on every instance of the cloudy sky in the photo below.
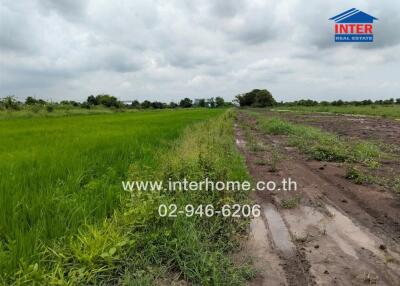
(165, 50)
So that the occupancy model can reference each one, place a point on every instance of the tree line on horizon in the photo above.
(254, 98)
(310, 102)
(109, 101)
(263, 98)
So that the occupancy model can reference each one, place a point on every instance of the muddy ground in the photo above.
(329, 231)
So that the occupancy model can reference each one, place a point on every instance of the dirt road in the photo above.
(327, 232)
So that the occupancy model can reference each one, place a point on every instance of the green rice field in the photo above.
(60, 173)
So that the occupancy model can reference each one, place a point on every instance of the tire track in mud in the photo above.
(330, 247)
(291, 260)
(379, 222)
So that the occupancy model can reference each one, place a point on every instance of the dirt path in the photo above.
(334, 233)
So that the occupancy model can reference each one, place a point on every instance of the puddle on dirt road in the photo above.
(348, 236)
(336, 245)
(266, 262)
(344, 231)
(240, 143)
(279, 231)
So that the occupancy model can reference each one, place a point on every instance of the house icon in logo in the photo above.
(354, 26)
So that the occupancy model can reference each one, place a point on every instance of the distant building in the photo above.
(127, 102)
(208, 101)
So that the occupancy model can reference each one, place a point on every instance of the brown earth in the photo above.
(363, 127)
(327, 232)
(383, 132)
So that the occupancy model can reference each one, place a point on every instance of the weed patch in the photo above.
(290, 203)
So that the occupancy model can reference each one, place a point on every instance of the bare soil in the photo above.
(381, 131)
(364, 127)
(338, 233)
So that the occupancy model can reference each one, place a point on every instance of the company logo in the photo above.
(354, 26)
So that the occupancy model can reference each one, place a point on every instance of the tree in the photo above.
(107, 100)
(157, 105)
(219, 101)
(211, 102)
(172, 105)
(247, 99)
(186, 102)
(91, 100)
(388, 101)
(264, 98)
(338, 102)
(202, 102)
(366, 102)
(30, 100)
(104, 99)
(135, 104)
(146, 104)
(69, 102)
(397, 100)
(257, 98)
(10, 102)
(307, 102)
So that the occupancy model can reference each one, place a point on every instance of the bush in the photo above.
(219, 101)
(50, 108)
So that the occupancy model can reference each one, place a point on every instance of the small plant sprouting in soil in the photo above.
(290, 203)
(302, 239)
(396, 186)
(254, 146)
(261, 162)
(273, 162)
(356, 175)
(369, 277)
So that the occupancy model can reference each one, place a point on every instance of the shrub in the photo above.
(50, 108)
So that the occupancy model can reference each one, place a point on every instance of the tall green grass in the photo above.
(392, 111)
(56, 111)
(134, 245)
(60, 173)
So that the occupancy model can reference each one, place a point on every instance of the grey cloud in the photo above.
(162, 50)
(386, 28)
(16, 33)
(69, 9)
(227, 8)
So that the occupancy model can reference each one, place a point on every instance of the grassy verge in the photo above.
(135, 246)
(392, 111)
